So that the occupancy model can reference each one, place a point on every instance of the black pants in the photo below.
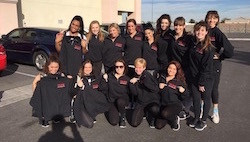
(97, 67)
(168, 113)
(216, 80)
(139, 111)
(205, 96)
(116, 109)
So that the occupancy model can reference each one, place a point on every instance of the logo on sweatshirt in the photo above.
(154, 47)
(95, 86)
(123, 82)
(181, 43)
(212, 38)
(138, 38)
(77, 47)
(199, 50)
(118, 44)
(60, 85)
(171, 85)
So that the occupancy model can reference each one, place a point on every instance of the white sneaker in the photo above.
(215, 118)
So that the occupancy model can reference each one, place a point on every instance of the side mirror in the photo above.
(4, 36)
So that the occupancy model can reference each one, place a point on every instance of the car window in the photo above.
(47, 35)
(16, 33)
(30, 34)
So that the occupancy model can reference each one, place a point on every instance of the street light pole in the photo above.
(152, 17)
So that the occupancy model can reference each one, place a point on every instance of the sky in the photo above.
(194, 9)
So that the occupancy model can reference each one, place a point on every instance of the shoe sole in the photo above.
(152, 127)
(178, 123)
(45, 126)
(201, 129)
(122, 127)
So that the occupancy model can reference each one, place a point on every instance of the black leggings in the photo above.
(139, 111)
(116, 108)
(205, 96)
(216, 74)
(97, 67)
(168, 113)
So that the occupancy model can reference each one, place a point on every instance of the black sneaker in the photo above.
(152, 123)
(183, 115)
(45, 124)
(193, 123)
(72, 119)
(176, 124)
(122, 122)
(201, 125)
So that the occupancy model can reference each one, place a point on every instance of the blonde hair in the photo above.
(114, 25)
(140, 61)
(100, 34)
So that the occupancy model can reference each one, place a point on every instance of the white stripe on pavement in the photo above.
(21, 73)
(239, 39)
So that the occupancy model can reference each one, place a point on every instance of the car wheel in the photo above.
(39, 59)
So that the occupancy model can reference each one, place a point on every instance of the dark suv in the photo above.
(30, 45)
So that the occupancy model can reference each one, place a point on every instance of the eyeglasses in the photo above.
(119, 67)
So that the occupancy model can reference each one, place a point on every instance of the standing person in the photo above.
(95, 44)
(89, 100)
(201, 67)
(164, 37)
(145, 86)
(150, 50)
(179, 52)
(133, 47)
(172, 91)
(72, 48)
(113, 47)
(116, 86)
(51, 93)
(219, 40)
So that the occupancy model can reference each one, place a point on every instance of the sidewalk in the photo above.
(14, 95)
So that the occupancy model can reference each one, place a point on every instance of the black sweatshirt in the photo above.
(146, 88)
(219, 40)
(179, 50)
(71, 55)
(170, 93)
(201, 63)
(149, 53)
(52, 97)
(133, 47)
(91, 98)
(112, 50)
(95, 47)
(115, 88)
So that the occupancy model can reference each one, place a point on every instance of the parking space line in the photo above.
(21, 73)
(240, 39)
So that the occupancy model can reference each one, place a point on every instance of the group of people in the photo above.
(158, 74)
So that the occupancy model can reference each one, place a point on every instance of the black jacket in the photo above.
(52, 97)
(95, 47)
(201, 63)
(71, 55)
(146, 88)
(133, 47)
(116, 88)
(150, 55)
(170, 93)
(112, 50)
(219, 40)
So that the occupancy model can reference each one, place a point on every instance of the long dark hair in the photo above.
(180, 73)
(79, 19)
(158, 24)
(212, 13)
(206, 43)
(124, 64)
(52, 58)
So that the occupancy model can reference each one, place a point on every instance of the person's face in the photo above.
(113, 32)
(87, 70)
(119, 68)
(95, 28)
(75, 26)
(179, 29)
(172, 70)
(201, 33)
(149, 34)
(212, 21)
(53, 67)
(139, 68)
(164, 24)
(131, 28)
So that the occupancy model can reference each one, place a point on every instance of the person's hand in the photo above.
(69, 76)
(133, 80)
(59, 37)
(202, 88)
(80, 83)
(162, 85)
(181, 89)
(105, 76)
(84, 43)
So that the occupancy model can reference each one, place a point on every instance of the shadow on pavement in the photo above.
(57, 135)
(10, 69)
(1, 95)
(241, 57)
